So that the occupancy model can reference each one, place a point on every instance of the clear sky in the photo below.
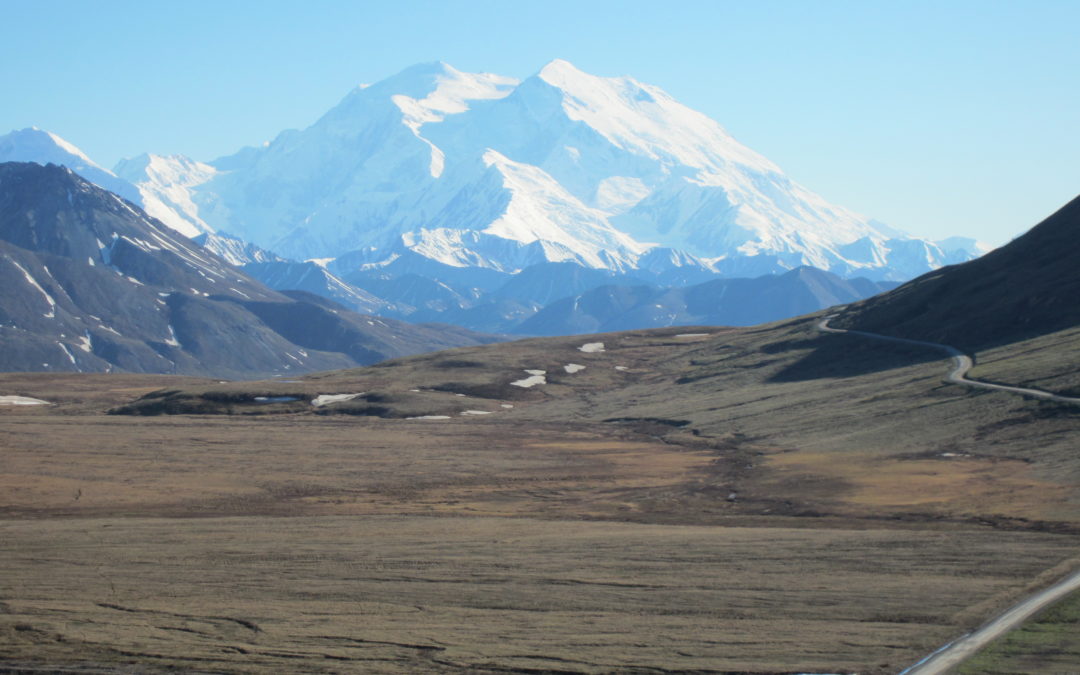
(940, 118)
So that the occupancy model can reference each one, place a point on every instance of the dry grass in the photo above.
(762, 500)
(946, 484)
(402, 594)
(104, 465)
(1051, 362)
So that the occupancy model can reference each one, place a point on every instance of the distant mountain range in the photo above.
(91, 283)
(552, 298)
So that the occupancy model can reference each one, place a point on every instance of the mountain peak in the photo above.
(570, 79)
(20, 144)
(44, 147)
(433, 67)
(564, 75)
(427, 69)
(423, 91)
(422, 79)
(128, 166)
(557, 69)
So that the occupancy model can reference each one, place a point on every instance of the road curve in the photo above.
(954, 654)
(962, 363)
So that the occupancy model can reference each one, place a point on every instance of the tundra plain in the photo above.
(763, 500)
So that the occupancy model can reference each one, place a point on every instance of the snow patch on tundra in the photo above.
(325, 399)
(21, 400)
(535, 377)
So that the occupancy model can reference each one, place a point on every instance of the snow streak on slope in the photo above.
(33, 282)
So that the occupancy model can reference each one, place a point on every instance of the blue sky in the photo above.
(938, 118)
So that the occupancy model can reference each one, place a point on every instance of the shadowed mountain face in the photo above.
(1025, 289)
(91, 283)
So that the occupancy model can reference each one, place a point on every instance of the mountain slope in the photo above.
(90, 283)
(161, 198)
(167, 196)
(1026, 288)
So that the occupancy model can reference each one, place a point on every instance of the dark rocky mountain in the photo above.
(1026, 288)
(91, 283)
(729, 302)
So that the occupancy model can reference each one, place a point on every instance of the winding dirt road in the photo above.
(955, 653)
(962, 363)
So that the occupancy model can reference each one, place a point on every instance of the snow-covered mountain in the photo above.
(481, 170)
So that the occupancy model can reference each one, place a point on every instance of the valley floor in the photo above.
(419, 593)
(764, 500)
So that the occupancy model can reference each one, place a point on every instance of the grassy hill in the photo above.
(1024, 289)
